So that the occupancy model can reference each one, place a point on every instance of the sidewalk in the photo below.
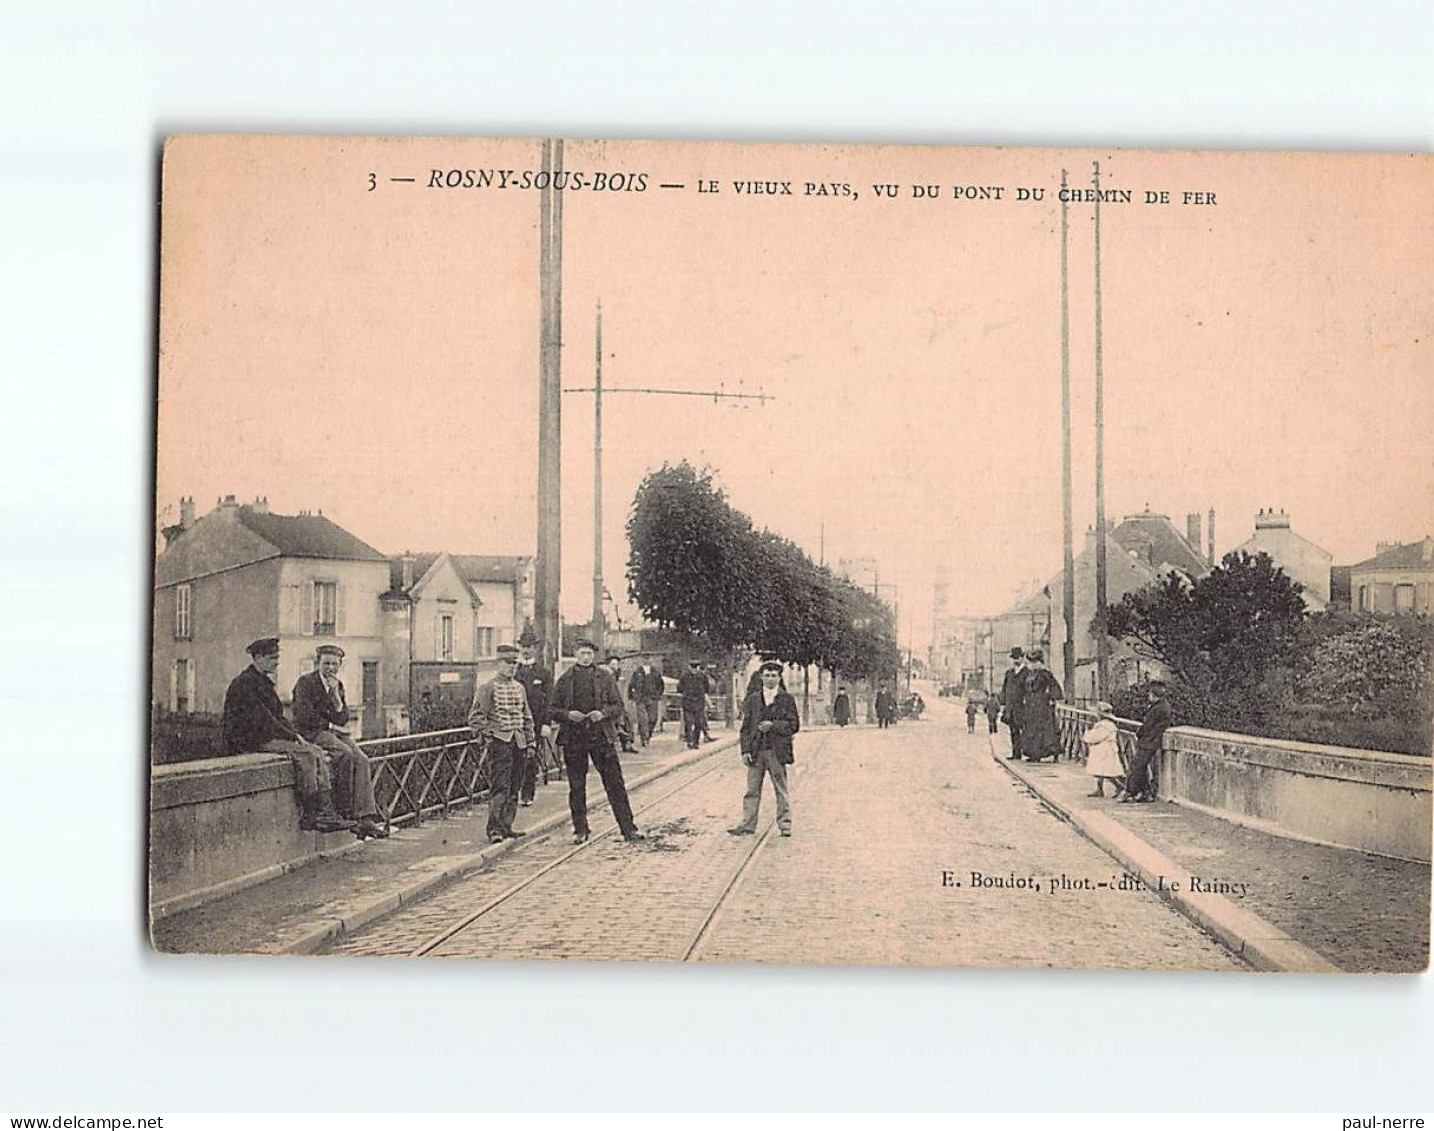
(1283, 904)
(300, 911)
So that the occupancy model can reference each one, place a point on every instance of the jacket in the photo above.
(253, 714)
(1149, 737)
(609, 703)
(693, 687)
(644, 687)
(314, 708)
(537, 681)
(782, 714)
(483, 716)
(1012, 688)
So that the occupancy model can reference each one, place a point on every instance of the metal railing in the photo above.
(1073, 722)
(422, 775)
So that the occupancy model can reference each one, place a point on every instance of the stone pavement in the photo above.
(893, 832)
(292, 911)
(1357, 911)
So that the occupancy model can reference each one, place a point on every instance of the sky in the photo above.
(374, 354)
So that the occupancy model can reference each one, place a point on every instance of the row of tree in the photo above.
(1243, 655)
(700, 566)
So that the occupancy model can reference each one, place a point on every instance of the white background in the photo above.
(90, 1020)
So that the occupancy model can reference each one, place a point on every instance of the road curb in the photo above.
(330, 930)
(1261, 944)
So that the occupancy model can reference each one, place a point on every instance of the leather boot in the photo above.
(309, 812)
(327, 819)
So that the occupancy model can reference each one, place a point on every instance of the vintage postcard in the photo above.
(846, 555)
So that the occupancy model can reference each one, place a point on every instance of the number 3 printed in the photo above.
(372, 182)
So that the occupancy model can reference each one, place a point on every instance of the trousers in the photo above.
(505, 767)
(694, 723)
(310, 764)
(528, 776)
(576, 755)
(765, 762)
(647, 718)
(351, 774)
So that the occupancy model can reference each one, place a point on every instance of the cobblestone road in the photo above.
(887, 823)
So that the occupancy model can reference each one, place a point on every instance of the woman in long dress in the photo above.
(1039, 695)
(1103, 760)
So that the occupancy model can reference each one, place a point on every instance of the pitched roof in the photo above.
(1411, 555)
(307, 536)
(472, 568)
(1167, 545)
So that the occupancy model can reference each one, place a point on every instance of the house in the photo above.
(1298, 557)
(1398, 580)
(443, 617)
(1141, 550)
(241, 572)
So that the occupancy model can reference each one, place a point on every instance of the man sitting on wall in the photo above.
(254, 722)
(321, 716)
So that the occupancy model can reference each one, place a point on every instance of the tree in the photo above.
(1220, 637)
(1372, 668)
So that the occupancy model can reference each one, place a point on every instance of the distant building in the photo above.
(444, 616)
(1298, 557)
(240, 573)
(1397, 581)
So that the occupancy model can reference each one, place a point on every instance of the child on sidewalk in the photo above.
(1103, 760)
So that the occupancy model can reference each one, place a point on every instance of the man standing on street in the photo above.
(1011, 700)
(254, 722)
(646, 690)
(501, 719)
(586, 705)
(321, 716)
(1148, 740)
(537, 681)
(885, 706)
(769, 719)
(624, 723)
(693, 688)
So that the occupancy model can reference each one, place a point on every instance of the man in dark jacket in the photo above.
(1148, 740)
(254, 722)
(769, 719)
(623, 721)
(885, 705)
(537, 681)
(1011, 700)
(585, 705)
(693, 688)
(321, 716)
(646, 689)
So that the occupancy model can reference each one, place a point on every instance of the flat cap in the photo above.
(264, 646)
(329, 650)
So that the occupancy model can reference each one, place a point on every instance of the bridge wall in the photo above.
(220, 824)
(1362, 799)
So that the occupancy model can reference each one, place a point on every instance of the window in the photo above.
(182, 599)
(445, 637)
(1403, 599)
(181, 687)
(326, 608)
(1364, 598)
(482, 641)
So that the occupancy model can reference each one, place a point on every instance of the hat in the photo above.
(1105, 708)
(1016, 653)
(772, 666)
(507, 651)
(329, 650)
(1036, 654)
(694, 662)
(264, 646)
(529, 637)
(583, 642)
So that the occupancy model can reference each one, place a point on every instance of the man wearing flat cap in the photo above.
(503, 721)
(693, 689)
(769, 719)
(254, 722)
(586, 705)
(321, 716)
(1011, 689)
(624, 723)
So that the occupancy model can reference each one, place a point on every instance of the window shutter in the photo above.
(306, 608)
(174, 685)
(340, 624)
(189, 685)
(289, 610)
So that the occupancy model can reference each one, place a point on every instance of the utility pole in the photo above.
(1102, 642)
(599, 390)
(1068, 649)
(547, 594)
(599, 623)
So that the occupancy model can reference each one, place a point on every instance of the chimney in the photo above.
(186, 512)
(261, 504)
(1427, 551)
(1192, 531)
(1271, 519)
(1210, 537)
(227, 502)
(1385, 547)
(407, 570)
